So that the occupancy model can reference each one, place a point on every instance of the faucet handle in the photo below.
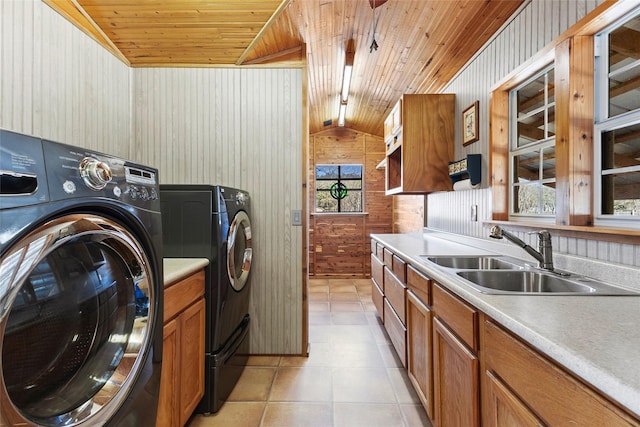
(543, 235)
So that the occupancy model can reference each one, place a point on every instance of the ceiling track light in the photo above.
(347, 73)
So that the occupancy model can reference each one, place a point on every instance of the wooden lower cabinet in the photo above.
(456, 388)
(503, 407)
(469, 371)
(191, 371)
(182, 381)
(419, 346)
(523, 388)
(169, 399)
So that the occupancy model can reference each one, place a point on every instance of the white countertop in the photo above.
(595, 337)
(179, 268)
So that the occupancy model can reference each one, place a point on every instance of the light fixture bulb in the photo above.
(341, 114)
(346, 83)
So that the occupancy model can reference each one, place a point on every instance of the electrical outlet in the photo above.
(474, 213)
(296, 217)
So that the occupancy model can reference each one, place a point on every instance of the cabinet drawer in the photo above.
(397, 332)
(377, 271)
(182, 294)
(395, 292)
(388, 258)
(380, 251)
(419, 284)
(458, 315)
(565, 401)
(399, 267)
(378, 299)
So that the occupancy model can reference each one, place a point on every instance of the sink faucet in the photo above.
(544, 253)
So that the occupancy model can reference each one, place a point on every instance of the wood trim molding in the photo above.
(499, 153)
(574, 95)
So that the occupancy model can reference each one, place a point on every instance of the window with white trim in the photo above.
(617, 127)
(532, 154)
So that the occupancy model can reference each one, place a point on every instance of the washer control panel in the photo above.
(75, 172)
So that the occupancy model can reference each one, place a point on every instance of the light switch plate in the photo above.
(296, 217)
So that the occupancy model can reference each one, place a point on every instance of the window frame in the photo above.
(516, 150)
(604, 123)
(338, 180)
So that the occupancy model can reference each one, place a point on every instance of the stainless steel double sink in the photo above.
(505, 275)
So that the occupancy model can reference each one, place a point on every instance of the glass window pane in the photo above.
(526, 167)
(352, 184)
(326, 172)
(623, 43)
(548, 162)
(526, 199)
(324, 185)
(325, 203)
(531, 128)
(531, 96)
(624, 71)
(621, 194)
(549, 199)
(352, 203)
(624, 91)
(351, 171)
(621, 147)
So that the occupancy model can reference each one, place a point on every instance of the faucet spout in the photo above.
(544, 254)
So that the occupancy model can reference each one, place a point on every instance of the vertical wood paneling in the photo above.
(240, 128)
(539, 23)
(58, 84)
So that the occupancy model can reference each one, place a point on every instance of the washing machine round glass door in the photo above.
(75, 297)
(239, 250)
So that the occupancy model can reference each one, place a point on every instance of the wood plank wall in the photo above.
(534, 27)
(408, 213)
(58, 84)
(339, 244)
(240, 128)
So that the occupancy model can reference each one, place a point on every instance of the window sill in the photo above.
(605, 234)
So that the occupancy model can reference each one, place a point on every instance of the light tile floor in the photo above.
(351, 378)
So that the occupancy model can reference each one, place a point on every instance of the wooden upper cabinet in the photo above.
(392, 124)
(419, 135)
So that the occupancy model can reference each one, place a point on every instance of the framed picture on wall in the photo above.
(470, 124)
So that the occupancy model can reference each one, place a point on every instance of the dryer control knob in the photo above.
(96, 174)
(241, 198)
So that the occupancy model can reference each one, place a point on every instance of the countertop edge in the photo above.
(176, 269)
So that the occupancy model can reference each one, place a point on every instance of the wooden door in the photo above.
(168, 403)
(504, 408)
(456, 388)
(419, 347)
(192, 361)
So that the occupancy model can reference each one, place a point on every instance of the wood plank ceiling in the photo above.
(422, 44)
